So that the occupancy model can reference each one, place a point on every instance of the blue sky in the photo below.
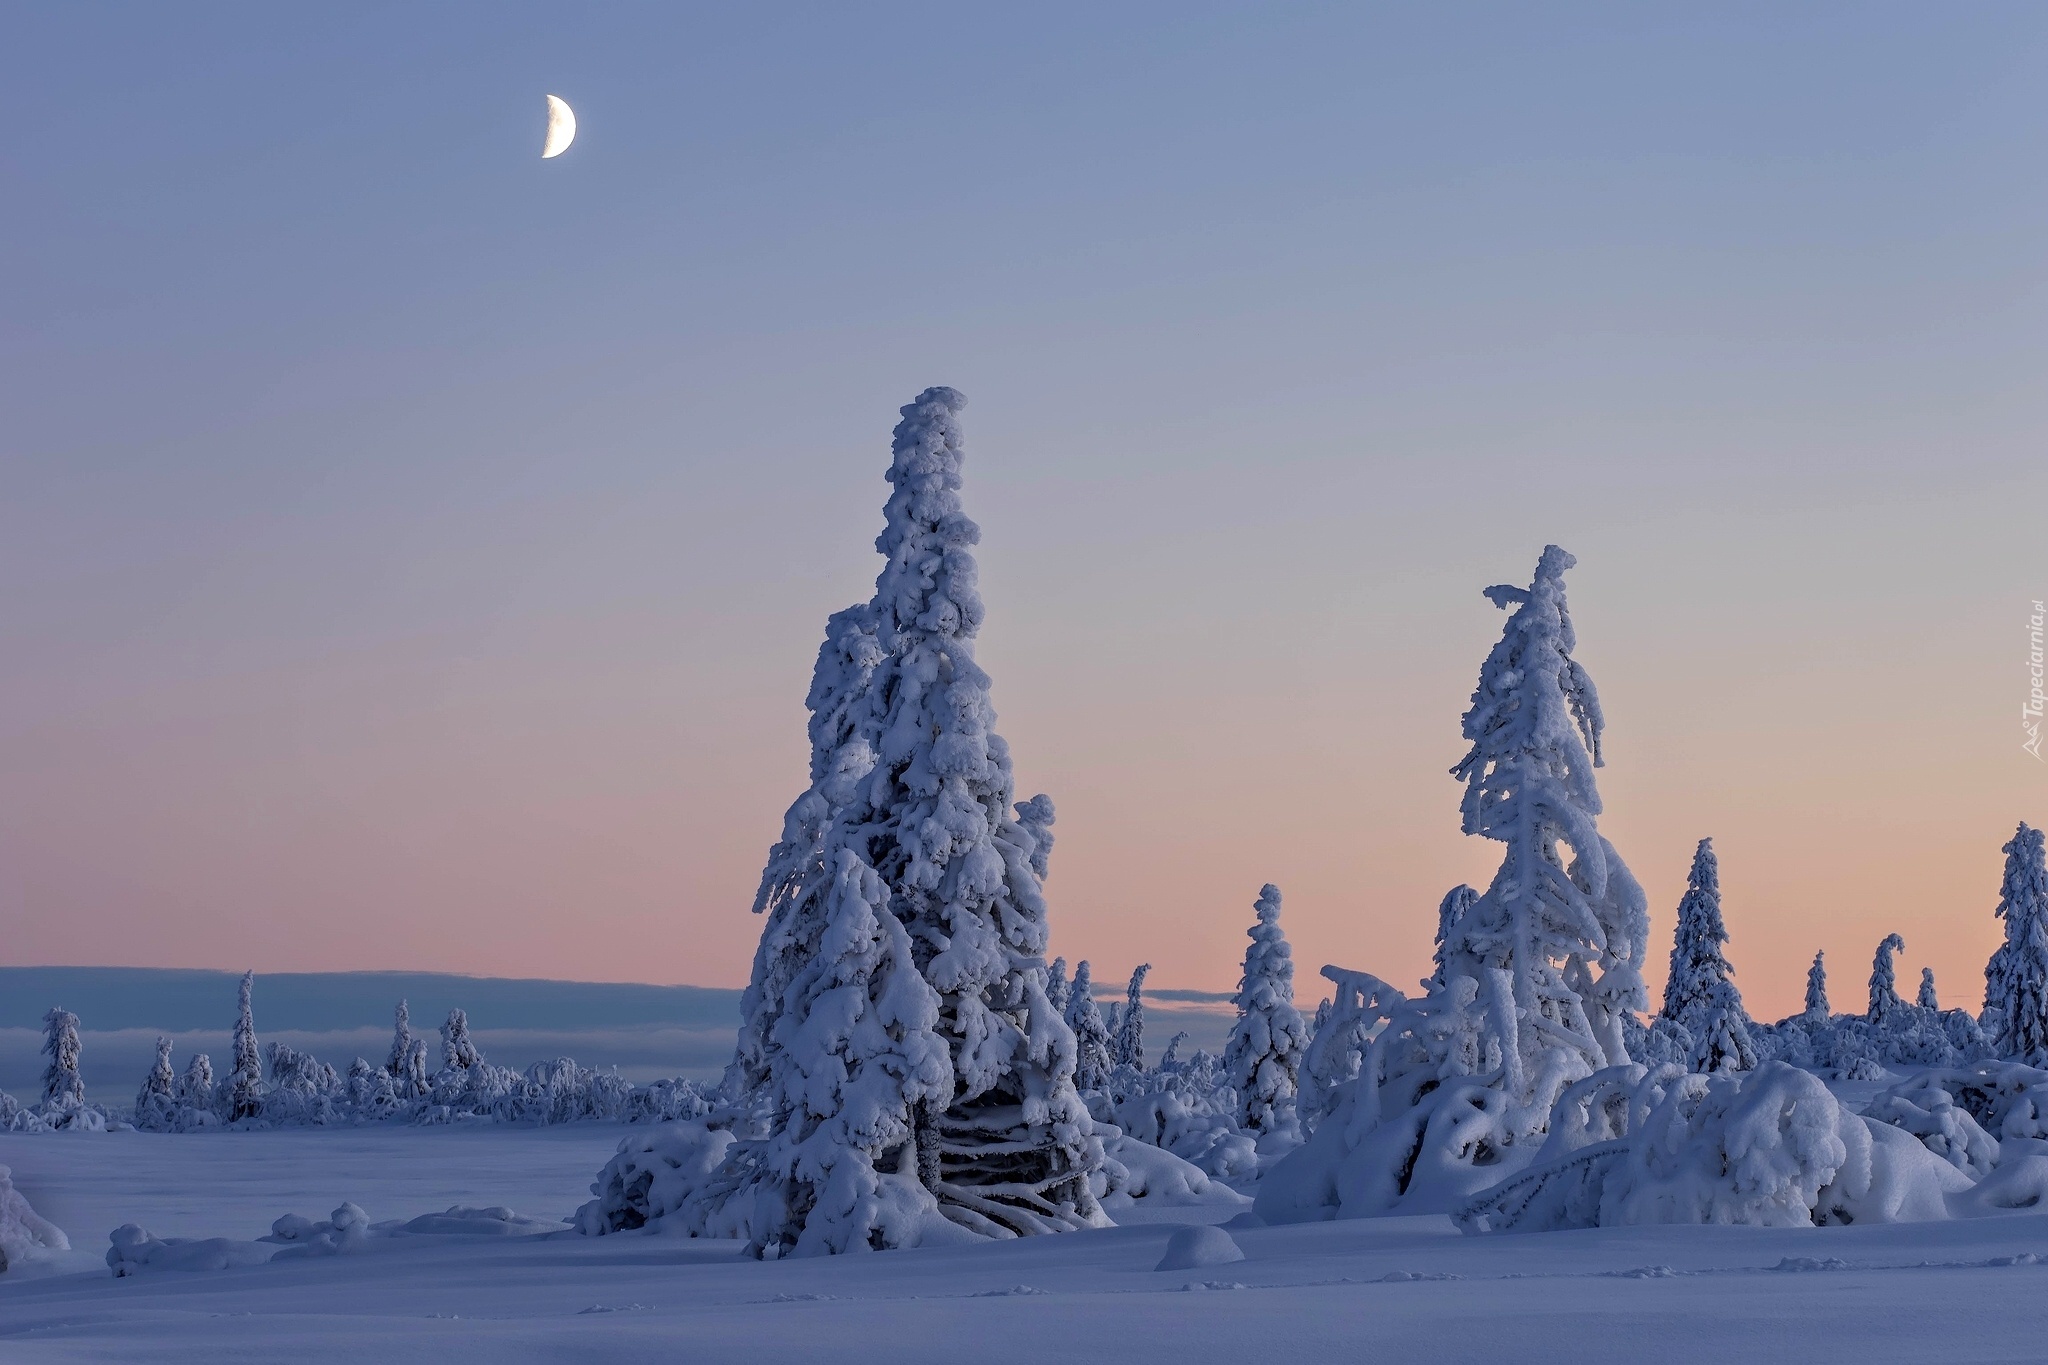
(415, 551)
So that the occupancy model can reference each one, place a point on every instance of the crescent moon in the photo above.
(561, 128)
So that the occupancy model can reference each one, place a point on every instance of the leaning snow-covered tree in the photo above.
(1885, 1004)
(1262, 1060)
(63, 1089)
(1127, 1043)
(1539, 972)
(1700, 992)
(1817, 987)
(1091, 1032)
(245, 1083)
(2016, 978)
(1005, 1146)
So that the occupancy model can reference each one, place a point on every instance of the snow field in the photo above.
(1412, 1287)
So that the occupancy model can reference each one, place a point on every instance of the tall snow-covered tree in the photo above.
(856, 1059)
(156, 1103)
(1262, 1060)
(2016, 978)
(1884, 994)
(1700, 992)
(401, 1041)
(1423, 1101)
(1563, 905)
(1127, 1046)
(1091, 1034)
(245, 1083)
(929, 814)
(458, 1050)
(1817, 987)
(1927, 1000)
(63, 1088)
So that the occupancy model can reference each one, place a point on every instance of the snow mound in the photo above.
(345, 1229)
(1191, 1248)
(24, 1235)
(1133, 1170)
(135, 1250)
(295, 1237)
(462, 1221)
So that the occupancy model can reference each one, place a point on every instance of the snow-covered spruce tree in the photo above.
(458, 1052)
(1539, 974)
(1928, 1000)
(1127, 1046)
(855, 1059)
(401, 1042)
(1059, 992)
(1008, 1147)
(1449, 911)
(245, 1083)
(1035, 818)
(156, 1103)
(63, 1088)
(1534, 939)
(793, 883)
(1262, 1060)
(415, 1082)
(2016, 978)
(1817, 988)
(1091, 1034)
(1885, 1003)
(1700, 993)
(195, 1087)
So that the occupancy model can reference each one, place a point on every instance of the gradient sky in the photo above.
(414, 552)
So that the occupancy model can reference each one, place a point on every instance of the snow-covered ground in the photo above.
(1399, 1289)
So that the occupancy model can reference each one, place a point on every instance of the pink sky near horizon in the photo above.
(416, 552)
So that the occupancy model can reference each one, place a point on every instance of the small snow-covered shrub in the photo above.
(1926, 1108)
(1770, 1147)
(1133, 1171)
(666, 1100)
(2006, 1099)
(1190, 1127)
(24, 1235)
(304, 1091)
(659, 1179)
